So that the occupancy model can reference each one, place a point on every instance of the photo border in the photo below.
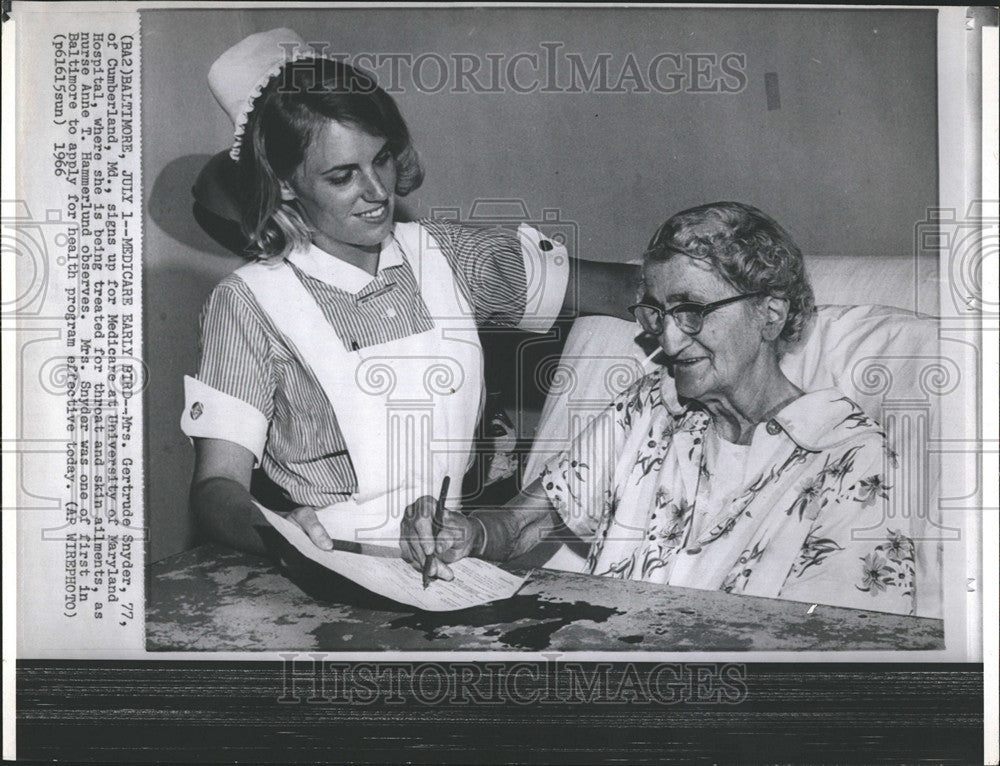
(166, 682)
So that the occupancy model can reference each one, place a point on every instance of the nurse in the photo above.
(344, 359)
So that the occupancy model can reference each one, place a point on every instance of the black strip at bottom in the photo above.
(315, 708)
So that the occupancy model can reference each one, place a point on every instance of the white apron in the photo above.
(407, 408)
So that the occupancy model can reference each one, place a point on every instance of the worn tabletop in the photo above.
(215, 599)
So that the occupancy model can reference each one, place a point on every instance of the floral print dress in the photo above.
(811, 521)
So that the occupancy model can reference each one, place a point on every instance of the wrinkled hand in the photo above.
(417, 541)
(305, 516)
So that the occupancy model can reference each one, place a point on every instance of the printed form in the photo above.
(476, 581)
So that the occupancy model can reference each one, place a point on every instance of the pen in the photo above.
(436, 525)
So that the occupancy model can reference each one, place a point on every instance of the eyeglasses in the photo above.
(689, 317)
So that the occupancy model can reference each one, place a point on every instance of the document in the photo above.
(476, 581)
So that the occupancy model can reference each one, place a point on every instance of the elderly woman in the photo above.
(741, 482)
(349, 346)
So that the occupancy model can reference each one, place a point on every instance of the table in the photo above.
(215, 599)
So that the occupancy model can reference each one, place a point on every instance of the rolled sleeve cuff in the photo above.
(212, 414)
(546, 272)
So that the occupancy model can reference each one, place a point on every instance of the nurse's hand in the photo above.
(306, 518)
(454, 541)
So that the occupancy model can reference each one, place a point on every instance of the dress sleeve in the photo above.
(512, 279)
(858, 552)
(232, 397)
(580, 482)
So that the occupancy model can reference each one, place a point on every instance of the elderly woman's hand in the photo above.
(454, 541)
(305, 516)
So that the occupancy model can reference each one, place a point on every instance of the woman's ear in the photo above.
(775, 316)
(287, 192)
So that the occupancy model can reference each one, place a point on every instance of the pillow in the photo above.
(903, 281)
(873, 354)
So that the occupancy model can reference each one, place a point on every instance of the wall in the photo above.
(847, 163)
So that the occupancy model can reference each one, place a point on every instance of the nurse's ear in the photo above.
(287, 192)
(775, 316)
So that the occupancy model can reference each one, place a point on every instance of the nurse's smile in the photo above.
(376, 215)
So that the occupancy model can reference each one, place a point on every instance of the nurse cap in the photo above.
(240, 74)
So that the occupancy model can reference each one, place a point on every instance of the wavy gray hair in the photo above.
(747, 248)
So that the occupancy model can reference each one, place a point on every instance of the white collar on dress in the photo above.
(816, 421)
(825, 419)
(335, 272)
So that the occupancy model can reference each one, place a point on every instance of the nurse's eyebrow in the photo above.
(353, 165)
